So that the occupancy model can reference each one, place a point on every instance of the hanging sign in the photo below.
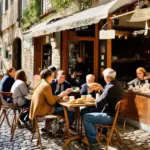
(106, 34)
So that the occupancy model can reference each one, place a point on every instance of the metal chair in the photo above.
(112, 127)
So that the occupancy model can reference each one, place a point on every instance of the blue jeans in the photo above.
(60, 111)
(90, 119)
(85, 110)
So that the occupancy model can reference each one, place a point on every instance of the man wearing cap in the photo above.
(106, 102)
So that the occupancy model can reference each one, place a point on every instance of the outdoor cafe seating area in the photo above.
(80, 101)
(135, 105)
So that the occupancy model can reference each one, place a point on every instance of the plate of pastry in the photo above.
(73, 101)
(93, 84)
(90, 100)
(80, 101)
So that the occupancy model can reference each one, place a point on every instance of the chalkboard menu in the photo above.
(47, 53)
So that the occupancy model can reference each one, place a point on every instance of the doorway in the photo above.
(17, 53)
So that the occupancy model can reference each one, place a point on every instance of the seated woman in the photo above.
(7, 82)
(43, 100)
(20, 90)
(141, 79)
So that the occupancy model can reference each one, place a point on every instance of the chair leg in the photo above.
(8, 119)
(4, 115)
(1, 113)
(124, 125)
(34, 129)
(13, 122)
(14, 128)
(39, 137)
(99, 135)
(109, 138)
(118, 136)
(15, 125)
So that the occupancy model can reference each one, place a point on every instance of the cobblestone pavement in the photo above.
(132, 139)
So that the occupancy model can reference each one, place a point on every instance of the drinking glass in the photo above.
(71, 98)
(89, 95)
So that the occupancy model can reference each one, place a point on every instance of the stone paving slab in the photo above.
(132, 139)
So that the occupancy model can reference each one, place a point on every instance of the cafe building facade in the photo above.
(73, 36)
(79, 35)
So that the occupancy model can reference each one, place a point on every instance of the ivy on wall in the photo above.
(31, 14)
(62, 4)
(58, 5)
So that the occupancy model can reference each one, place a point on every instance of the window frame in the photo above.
(6, 5)
(22, 4)
(46, 7)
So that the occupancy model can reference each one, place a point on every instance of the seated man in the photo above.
(85, 87)
(7, 82)
(106, 102)
(59, 85)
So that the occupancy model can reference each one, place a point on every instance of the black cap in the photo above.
(52, 68)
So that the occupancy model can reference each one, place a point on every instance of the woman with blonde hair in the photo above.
(141, 79)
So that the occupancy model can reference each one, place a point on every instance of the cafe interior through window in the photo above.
(83, 49)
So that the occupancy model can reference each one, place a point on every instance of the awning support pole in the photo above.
(121, 15)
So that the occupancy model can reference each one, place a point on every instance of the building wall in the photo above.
(8, 37)
(28, 58)
(10, 16)
(56, 52)
(10, 30)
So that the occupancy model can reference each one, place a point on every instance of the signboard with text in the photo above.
(106, 34)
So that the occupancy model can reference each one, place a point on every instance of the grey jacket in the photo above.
(137, 81)
(19, 91)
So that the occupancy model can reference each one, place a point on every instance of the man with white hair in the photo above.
(106, 102)
(90, 78)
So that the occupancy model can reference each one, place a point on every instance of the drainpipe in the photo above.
(19, 13)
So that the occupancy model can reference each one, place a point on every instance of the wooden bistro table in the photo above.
(76, 106)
